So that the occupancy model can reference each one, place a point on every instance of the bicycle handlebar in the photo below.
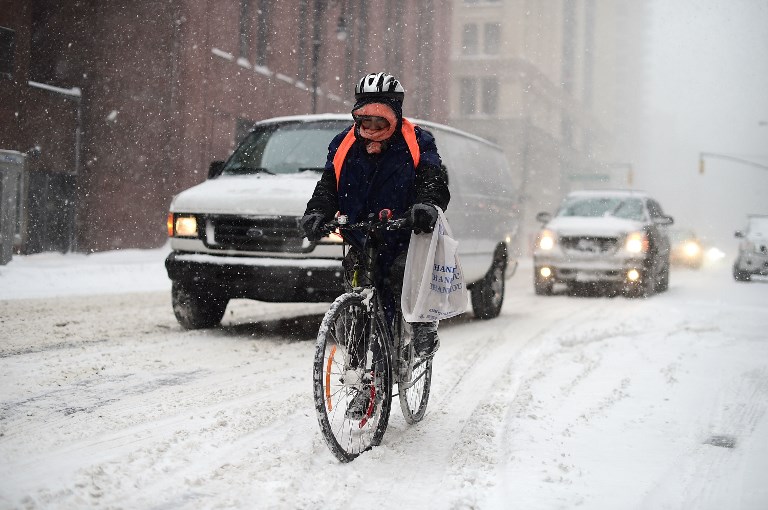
(383, 221)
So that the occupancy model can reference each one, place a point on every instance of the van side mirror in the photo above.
(665, 220)
(215, 168)
(445, 172)
(738, 234)
(543, 217)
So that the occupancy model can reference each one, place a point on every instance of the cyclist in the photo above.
(383, 161)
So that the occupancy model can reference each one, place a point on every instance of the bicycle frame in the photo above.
(394, 329)
(402, 353)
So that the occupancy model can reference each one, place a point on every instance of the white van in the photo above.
(236, 235)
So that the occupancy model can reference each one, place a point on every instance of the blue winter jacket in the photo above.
(371, 182)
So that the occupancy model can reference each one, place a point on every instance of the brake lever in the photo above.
(401, 224)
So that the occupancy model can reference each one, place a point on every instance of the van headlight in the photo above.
(546, 240)
(637, 242)
(332, 238)
(182, 225)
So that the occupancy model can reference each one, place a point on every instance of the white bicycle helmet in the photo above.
(379, 85)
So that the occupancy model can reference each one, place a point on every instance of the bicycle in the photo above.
(360, 355)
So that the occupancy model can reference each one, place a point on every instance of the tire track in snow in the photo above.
(740, 410)
(455, 444)
(482, 440)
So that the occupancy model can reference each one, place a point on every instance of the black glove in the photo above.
(312, 224)
(423, 218)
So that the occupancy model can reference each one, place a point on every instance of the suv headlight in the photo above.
(182, 225)
(636, 242)
(546, 240)
(691, 248)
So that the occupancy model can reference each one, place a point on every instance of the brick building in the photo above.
(129, 101)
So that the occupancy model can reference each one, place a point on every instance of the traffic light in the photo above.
(701, 166)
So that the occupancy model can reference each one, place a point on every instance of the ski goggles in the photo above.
(371, 121)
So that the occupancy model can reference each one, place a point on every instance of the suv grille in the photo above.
(587, 245)
(260, 233)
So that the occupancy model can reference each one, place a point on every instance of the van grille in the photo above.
(587, 245)
(260, 233)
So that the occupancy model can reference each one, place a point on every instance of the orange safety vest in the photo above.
(409, 133)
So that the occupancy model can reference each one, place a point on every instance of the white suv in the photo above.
(753, 249)
(613, 240)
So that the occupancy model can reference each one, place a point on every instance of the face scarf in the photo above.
(373, 138)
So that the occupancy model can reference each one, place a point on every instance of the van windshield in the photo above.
(284, 148)
(593, 207)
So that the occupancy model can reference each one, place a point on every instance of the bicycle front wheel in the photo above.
(352, 378)
(414, 392)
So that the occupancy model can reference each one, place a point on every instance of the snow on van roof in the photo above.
(348, 117)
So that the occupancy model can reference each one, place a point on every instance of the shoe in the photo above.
(359, 405)
(425, 340)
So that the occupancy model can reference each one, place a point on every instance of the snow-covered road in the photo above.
(560, 402)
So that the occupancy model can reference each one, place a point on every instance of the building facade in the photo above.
(120, 105)
(557, 84)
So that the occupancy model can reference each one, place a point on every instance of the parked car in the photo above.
(686, 248)
(236, 235)
(615, 240)
(752, 258)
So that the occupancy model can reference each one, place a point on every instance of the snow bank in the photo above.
(75, 274)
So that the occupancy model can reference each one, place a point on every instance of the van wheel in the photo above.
(488, 293)
(195, 309)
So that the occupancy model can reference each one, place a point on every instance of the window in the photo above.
(7, 51)
(285, 148)
(262, 33)
(490, 95)
(469, 39)
(245, 28)
(467, 96)
(654, 209)
(492, 39)
(303, 53)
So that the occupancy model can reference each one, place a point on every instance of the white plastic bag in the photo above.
(433, 286)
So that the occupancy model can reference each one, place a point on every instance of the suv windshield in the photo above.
(678, 236)
(284, 148)
(595, 207)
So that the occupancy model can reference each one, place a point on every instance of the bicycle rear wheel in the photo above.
(414, 392)
(352, 378)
